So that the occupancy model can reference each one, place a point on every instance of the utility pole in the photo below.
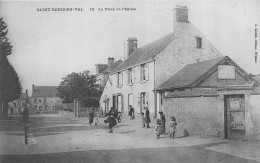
(26, 120)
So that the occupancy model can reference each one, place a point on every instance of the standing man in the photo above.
(147, 117)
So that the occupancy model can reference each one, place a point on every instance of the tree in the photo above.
(10, 85)
(78, 85)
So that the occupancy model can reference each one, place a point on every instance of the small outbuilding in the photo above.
(212, 98)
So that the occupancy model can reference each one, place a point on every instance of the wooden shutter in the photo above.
(122, 103)
(133, 71)
(117, 79)
(147, 71)
(139, 102)
(147, 100)
(128, 76)
(122, 78)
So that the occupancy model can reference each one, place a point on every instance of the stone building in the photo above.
(45, 98)
(17, 106)
(213, 98)
(102, 71)
(147, 67)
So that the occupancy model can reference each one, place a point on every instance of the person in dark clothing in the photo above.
(132, 112)
(163, 120)
(112, 122)
(116, 114)
(91, 116)
(111, 112)
(147, 117)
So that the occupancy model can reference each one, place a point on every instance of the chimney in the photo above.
(111, 61)
(97, 69)
(131, 45)
(180, 15)
(33, 87)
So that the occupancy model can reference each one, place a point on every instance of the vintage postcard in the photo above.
(130, 81)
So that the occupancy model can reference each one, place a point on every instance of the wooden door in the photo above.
(234, 116)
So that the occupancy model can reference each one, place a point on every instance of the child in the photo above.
(158, 130)
(143, 119)
(96, 120)
(112, 122)
(172, 127)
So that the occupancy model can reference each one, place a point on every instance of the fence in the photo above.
(84, 111)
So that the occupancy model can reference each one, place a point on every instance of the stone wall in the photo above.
(252, 116)
(198, 115)
(182, 51)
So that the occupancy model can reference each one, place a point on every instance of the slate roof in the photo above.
(188, 74)
(145, 52)
(102, 67)
(257, 78)
(45, 91)
(117, 63)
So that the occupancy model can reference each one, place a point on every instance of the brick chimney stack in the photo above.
(180, 15)
(131, 45)
(111, 61)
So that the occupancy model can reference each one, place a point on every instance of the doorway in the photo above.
(234, 116)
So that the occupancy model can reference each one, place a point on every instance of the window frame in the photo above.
(143, 72)
(119, 81)
(198, 42)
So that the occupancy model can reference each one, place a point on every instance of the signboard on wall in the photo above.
(226, 72)
(237, 120)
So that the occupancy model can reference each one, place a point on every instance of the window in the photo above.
(142, 100)
(144, 72)
(130, 76)
(119, 103)
(119, 79)
(198, 42)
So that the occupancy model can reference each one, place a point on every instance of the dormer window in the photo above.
(198, 42)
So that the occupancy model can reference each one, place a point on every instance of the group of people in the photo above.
(93, 117)
(160, 126)
(113, 117)
(160, 123)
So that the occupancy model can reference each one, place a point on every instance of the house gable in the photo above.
(206, 74)
(182, 51)
(211, 77)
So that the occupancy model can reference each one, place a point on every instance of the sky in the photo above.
(48, 45)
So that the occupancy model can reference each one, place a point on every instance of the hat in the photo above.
(160, 112)
(158, 121)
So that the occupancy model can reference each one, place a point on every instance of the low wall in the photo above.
(202, 116)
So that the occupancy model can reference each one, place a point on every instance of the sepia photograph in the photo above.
(130, 81)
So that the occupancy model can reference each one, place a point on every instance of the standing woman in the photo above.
(147, 117)
(91, 116)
